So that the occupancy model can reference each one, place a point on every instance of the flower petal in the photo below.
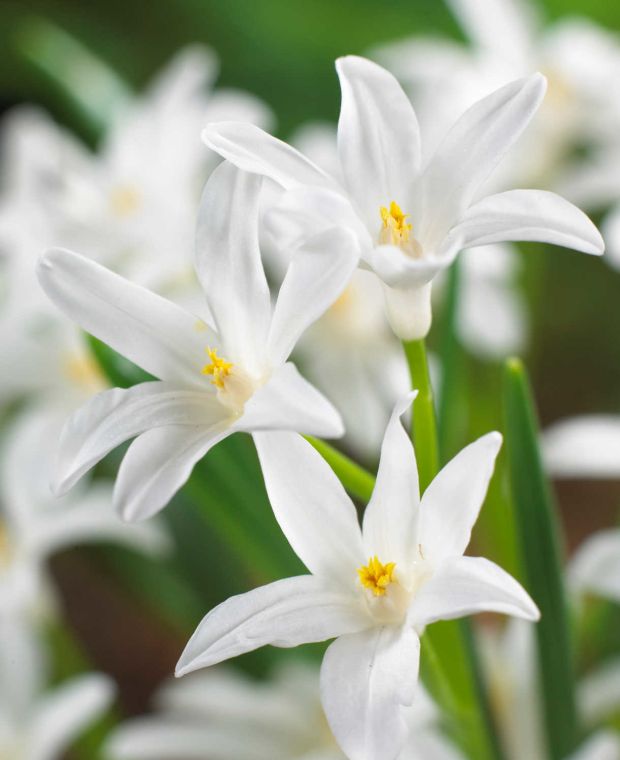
(471, 150)
(598, 692)
(228, 263)
(378, 137)
(367, 681)
(529, 215)
(317, 275)
(595, 566)
(253, 150)
(587, 446)
(391, 517)
(462, 586)
(451, 503)
(289, 402)
(603, 745)
(116, 415)
(311, 506)
(150, 331)
(158, 463)
(65, 712)
(286, 613)
(164, 738)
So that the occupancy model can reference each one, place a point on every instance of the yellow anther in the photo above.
(219, 368)
(125, 200)
(395, 227)
(376, 576)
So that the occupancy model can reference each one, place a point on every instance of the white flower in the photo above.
(586, 446)
(374, 589)
(212, 382)
(224, 715)
(37, 724)
(34, 525)
(595, 566)
(410, 220)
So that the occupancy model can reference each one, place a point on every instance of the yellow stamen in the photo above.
(83, 370)
(124, 200)
(376, 576)
(395, 227)
(219, 368)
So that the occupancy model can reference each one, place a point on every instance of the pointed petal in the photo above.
(286, 613)
(116, 415)
(229, 266)
(462, 586)
(595, 567)
(158, 463)
(587, 446)
(311, 506)
(253, 150)
(367, 681)
(148, 330)
(391, 517)
(378, 137)
(398, 270)
(472, 149)
(289, 402)
(529, 215)
(66, 712)
(317, 275)
(451, 503)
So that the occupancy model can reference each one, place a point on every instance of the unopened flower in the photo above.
(212, 381)
(373, 589)
(409, 219)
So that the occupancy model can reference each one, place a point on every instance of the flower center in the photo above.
(219, 368)
(125, 200)
(376, 576)
(84, 371)
(395, 230)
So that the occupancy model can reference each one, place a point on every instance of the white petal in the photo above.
(472, 149)
(115, 416)
(529, 215)
(229, 266)
(598, 692)
(595, 566)
(150, 331)
(391, 517)
(583, 447)
(311, 506)
(253, 150)
(451, 503)
(286, 613)
(378, 137)
(158, 738)
(158, 463)
(368, 680)
(462, 586)
(288, 402)
(66, 712)
(409, 310)
(611, 234)
(603, 745)
(317, 275)
(396, 269)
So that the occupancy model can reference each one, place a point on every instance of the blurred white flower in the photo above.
(595, 566)
(586, 446)
(222, 715)
(213, 382)
(373, 590)
(34, 525)
(410, 220)
(36, 724)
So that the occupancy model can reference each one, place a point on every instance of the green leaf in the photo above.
(538, 532)
(358, 481)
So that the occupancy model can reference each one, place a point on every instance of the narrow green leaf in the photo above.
(538, 531)
(358, 481)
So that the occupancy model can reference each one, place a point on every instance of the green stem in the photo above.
(424, 426)
(358, 481)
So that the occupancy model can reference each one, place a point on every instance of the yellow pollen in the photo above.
(219, 368)
(376, 576)
(124, 200)
(395, 227)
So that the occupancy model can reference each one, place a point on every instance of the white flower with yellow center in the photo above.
(410, 220)
(375, 589)
(211, 381)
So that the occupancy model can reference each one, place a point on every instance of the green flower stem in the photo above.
(539, 537)
(424, 426)
(358, 481)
